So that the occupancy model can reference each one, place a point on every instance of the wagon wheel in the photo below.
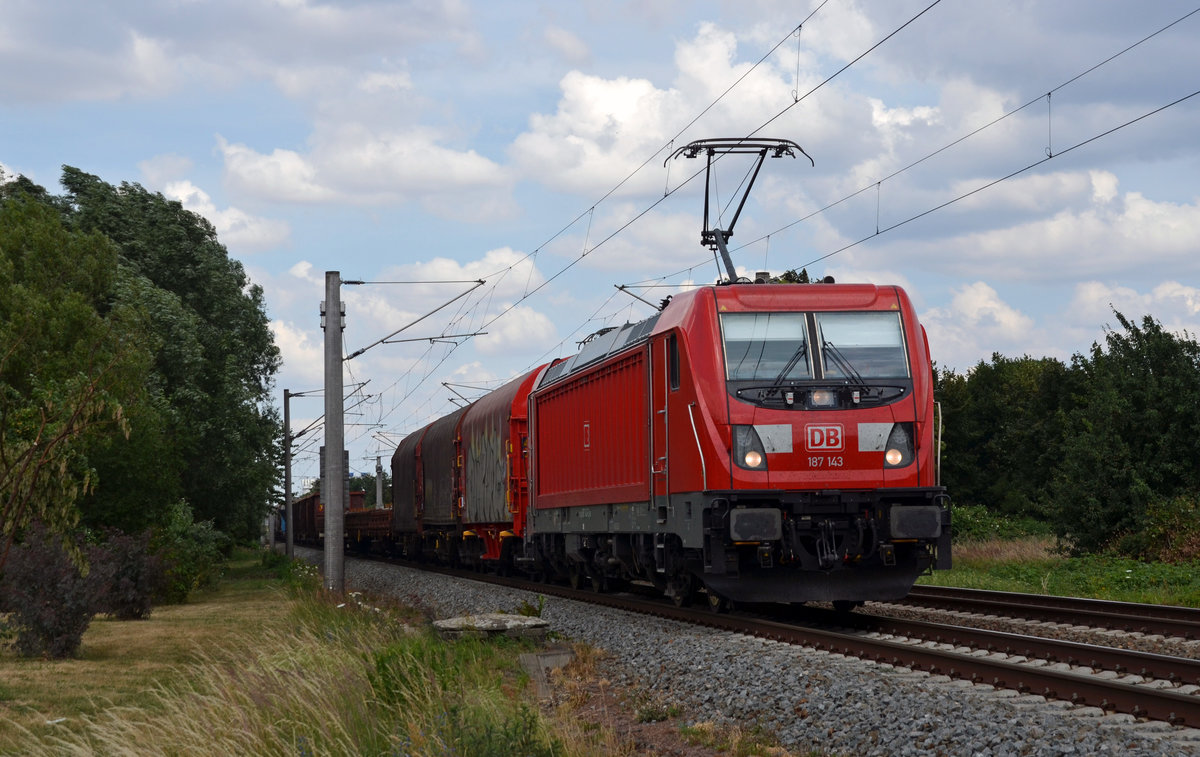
(598, 582)
(575, 575)
(681, 589)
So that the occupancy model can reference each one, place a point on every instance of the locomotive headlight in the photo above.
(822, 398)
(748, 449)
(899, 449)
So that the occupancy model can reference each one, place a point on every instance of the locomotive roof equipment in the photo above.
(717, 239)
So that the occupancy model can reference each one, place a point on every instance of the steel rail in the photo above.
(1124, 661)
(1166, 620)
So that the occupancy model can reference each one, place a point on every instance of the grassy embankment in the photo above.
(256, 669)
(269, 664)
(1012, 556)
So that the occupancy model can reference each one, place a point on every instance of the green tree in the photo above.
(71, 361)
(1133, 437)
(791, 277)
(141, 474)
(1004, 427)
(217, 355)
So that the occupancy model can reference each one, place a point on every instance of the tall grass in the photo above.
(338, 678)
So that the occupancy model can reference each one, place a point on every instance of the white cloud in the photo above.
(377, 82)
(605, 129)
(303, 354)
(602, 132)
(354, 164)
(106, 52)
(1062, 227)
(160, 170)
(656, 243)
(240, 231)
(1175, 305)
(509, 274)
(281, 176)
(976, 323)
(568, 45)
(520, 329)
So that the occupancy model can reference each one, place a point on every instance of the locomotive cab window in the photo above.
(862, 345)
(765, 346)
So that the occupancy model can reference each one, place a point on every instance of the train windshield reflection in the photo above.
(765, 346)
(862, 345)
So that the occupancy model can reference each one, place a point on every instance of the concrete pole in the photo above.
(287, 473)
(378, 484)
(335, 506)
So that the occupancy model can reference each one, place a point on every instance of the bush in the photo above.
(193, 554)
(48, 599)
(978, 523)
(1170, 532)
(127, 575)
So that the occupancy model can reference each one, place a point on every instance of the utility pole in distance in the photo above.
(289, 528)
(333, 321)
(378, 484)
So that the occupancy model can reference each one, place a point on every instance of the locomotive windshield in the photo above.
(775, 347)
(862, 345)
(765, 346)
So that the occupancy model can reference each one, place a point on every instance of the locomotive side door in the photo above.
(660, 377)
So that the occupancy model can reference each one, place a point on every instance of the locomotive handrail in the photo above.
(699, 449)
(937, 444)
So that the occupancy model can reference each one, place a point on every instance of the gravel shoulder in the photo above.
(808, 699)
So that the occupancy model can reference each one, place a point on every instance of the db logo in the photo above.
(824, 437)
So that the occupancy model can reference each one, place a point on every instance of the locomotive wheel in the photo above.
(575, 576)
(718, 604)
(845, 605)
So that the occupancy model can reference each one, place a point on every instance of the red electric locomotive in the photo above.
(764, 442)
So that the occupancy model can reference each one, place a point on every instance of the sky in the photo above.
(1022, 169)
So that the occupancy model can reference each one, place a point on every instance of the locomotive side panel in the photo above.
(590, 433)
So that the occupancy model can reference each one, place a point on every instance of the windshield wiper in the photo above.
(843, 364)
(801, 351)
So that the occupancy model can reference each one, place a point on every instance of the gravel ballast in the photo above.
(806, 698)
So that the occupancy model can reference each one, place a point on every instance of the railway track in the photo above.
(1142, 684)
(1165, 620)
